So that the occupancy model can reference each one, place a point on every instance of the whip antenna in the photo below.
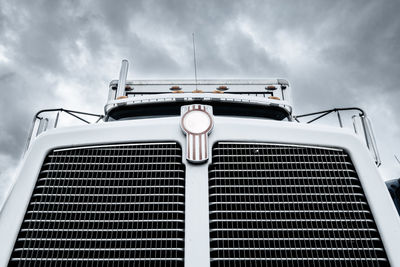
(194, 61)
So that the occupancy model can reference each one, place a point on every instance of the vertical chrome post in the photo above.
(364, 126)
(122, 79)
(56, 120)
(42, 126)
(354, 118)
(370, 139)
(340, 119)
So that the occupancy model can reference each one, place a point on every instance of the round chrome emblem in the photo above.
(196, 122)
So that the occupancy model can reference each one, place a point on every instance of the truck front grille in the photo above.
(116, 204)
(287, 205)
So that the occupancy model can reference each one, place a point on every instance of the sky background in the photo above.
(64, 53)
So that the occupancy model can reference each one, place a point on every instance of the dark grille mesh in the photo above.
(283, 205)
(120, 204)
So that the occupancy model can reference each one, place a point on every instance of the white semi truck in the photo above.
(199, 173)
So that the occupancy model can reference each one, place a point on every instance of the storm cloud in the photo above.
(64, 53)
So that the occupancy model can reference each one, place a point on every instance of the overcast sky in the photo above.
(64, 53)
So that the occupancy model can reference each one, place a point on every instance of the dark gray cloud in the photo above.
(63, 53)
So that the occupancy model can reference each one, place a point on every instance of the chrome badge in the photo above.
(197, 122)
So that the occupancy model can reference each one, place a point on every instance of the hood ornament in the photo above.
(197, 122)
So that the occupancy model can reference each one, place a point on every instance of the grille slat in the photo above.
(142, 261)
(288, 205)
(114, 204)
(301, 260)
(239, 171)
(100, 170)
(284, 163)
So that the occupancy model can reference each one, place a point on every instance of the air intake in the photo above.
(112, 205)
(287, 205)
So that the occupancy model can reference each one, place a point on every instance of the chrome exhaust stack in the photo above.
(122, 79)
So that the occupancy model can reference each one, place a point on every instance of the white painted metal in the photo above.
(197, 226)
(225, 128)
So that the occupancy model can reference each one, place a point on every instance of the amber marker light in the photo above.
(122, 97)
(197, 91)
(270, 87)
(274, 97)
(175, 88)
(222, 88)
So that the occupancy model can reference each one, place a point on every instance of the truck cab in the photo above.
(199, 173)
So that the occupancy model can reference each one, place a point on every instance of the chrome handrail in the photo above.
(44, 126)
(365, 122)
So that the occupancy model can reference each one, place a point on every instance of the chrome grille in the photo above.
(116, 204)
(287, 205)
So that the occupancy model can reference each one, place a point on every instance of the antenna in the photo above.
(397, 159)
(194, 61)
